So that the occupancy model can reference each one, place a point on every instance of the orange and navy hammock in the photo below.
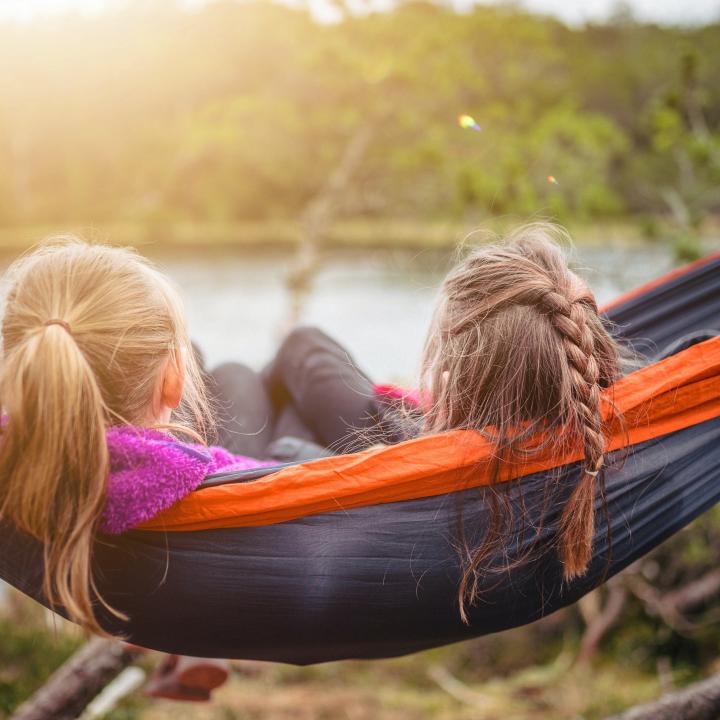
(356, 556)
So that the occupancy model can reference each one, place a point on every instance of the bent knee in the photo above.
(300, 340)
(232, 375)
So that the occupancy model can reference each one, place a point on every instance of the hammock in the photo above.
(355, 556)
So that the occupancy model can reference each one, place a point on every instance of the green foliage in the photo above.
(239, 112)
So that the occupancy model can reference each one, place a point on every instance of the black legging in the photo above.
(312, 390)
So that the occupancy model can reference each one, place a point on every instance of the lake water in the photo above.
(378, 303)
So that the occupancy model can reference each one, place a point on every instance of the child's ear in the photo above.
(173, 380)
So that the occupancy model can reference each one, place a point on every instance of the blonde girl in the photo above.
(99, 389)
(92, 337)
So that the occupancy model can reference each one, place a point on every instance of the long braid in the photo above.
(577, 523)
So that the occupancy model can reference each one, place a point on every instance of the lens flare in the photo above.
(468, 122)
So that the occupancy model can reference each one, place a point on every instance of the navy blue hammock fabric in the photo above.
(382, 580)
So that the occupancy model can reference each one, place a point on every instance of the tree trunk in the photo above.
(319, 214)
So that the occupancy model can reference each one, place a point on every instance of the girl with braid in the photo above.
(517, 352)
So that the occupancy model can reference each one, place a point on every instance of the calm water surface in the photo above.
(378, 303)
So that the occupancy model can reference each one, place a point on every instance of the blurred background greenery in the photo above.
(261, 156)
(232, 115)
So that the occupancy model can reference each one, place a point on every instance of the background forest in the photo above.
(237, 112)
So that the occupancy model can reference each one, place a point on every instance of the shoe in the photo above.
(201, 673)
(169, 689)
(187, 678)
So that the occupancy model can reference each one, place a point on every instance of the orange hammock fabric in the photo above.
(673, 394)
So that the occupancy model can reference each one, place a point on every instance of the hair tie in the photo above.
(594, 473)
(61, 323)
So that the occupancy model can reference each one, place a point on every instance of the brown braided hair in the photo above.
(518, 351)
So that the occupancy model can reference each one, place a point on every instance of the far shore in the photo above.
(347, 234)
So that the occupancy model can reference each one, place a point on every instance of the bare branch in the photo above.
(696, 592)
(319, 214)
(603, 621)
(670, 606)
(456, 688)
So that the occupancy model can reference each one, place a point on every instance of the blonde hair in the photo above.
(86, 332)
(518, 351)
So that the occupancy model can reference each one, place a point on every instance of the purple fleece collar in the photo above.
(150, 471)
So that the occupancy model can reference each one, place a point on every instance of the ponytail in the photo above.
(55, 430)
(86, 332)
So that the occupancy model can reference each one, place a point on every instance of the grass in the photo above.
(28, 655)
(374, 692)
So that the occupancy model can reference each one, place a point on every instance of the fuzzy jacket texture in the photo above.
(151, 470)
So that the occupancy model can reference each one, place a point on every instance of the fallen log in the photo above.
(700, 701)
(71, 688)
